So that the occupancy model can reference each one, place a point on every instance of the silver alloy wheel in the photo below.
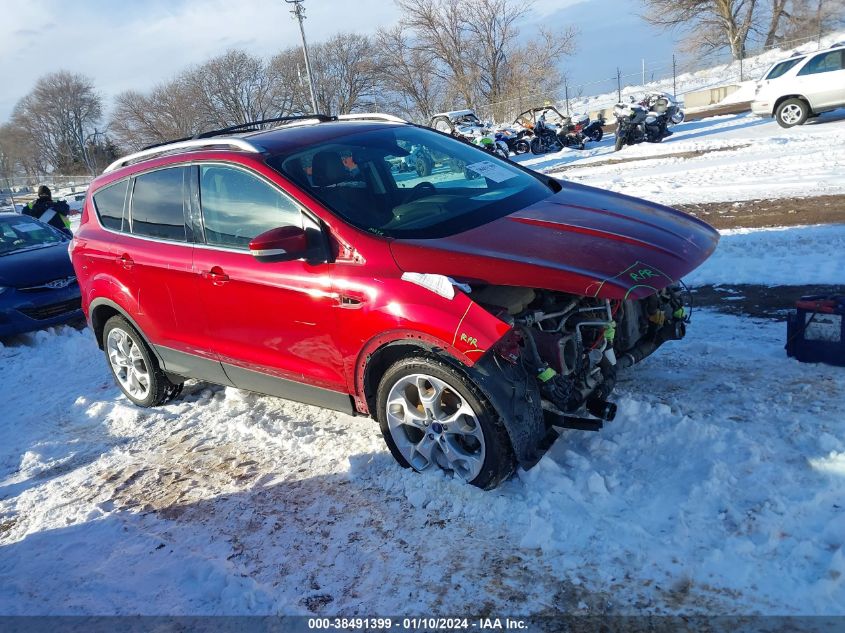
(128, 364)
(431, 423)
(791, 114)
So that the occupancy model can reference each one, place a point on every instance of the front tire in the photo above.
(536, 146)
(134, 367)
(433, 416)
(423, 167)
(792, 112)
(620, 143)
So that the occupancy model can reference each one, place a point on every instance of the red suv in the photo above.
(471, 310)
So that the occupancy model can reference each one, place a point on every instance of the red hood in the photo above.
(583, 240)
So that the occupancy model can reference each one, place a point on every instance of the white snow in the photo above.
(741, 157)
(719, 488)
(745, 75)
(776, 257)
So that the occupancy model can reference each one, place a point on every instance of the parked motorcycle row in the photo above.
(538, 130)
(545, 129)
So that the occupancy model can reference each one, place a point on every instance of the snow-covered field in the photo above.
(744, 75)
(718, 489)
(720, 159)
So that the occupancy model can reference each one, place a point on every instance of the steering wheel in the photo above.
(420, 189)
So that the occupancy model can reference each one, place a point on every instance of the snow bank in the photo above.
(776, 257)
(720, 159)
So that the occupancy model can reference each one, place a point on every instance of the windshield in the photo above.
(781, 68)
(408, 182)
(23, 233)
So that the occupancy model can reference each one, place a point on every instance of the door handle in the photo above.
(216, 275)
(125, 261)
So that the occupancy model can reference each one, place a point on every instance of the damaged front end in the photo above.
(567, 351)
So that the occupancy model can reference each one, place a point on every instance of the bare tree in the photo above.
(169, 111)
(407, 75)
(58, 117)
(714, 23)
(345, 75)
(474, 47)
(231, 89)
(779, 12)
(288, 81)
(811, 18)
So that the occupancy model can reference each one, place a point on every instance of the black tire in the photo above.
(423, 167)
(160, 389)
(620, 143)
(598, 135)
(536, 146)
(792, 112)
(521, 147)
(499, 461)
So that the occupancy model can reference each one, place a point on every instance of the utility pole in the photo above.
(619, 84)
(299, 13)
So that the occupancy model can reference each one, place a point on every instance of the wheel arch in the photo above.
(513, 394)
(101, 310)
(783, 98)
(385, 350)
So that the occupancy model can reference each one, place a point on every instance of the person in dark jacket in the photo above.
(49, 211)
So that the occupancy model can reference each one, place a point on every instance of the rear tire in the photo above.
(792, 112)
(433, 416)
(134, 366)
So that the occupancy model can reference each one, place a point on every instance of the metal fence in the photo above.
(675, 75)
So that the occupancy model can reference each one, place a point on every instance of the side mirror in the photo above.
(281, 244)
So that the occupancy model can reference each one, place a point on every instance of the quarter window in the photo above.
(782, 68)
(109, 204)
(157, 204)
(237, 206)
(824, 63)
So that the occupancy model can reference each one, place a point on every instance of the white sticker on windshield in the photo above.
(491, 170)
(28, 227)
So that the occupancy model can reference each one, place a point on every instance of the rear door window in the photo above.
(108, 202)
(824, 63)
(237, 206)
(157, 205)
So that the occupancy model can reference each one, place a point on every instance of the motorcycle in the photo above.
(492, 144)
(647, 120)
(592, 130)
(551, 138)
(515, 140)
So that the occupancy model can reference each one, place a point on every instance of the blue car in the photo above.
(38, 287)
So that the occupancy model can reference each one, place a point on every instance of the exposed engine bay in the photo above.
(575, 345)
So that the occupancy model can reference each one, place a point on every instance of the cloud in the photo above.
(135, 45)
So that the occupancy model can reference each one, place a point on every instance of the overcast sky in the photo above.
(136, 44)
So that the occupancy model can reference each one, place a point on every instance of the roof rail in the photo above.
(374, 116)
(185, 145)
(246, 127)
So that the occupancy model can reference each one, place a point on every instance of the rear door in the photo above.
(272, 324)
(160, 257)
(822, 79)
